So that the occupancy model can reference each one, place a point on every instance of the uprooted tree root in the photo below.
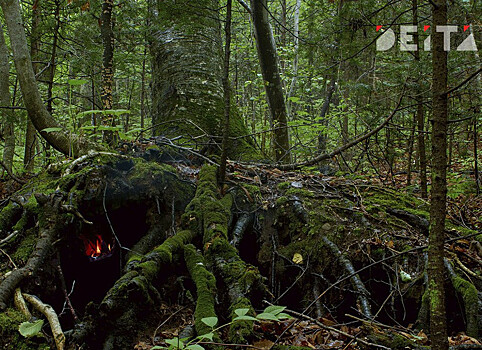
(110, 238)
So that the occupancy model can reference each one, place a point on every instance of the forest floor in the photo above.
(366, 229)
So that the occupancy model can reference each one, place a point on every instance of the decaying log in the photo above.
(242, 224)
(411, 219)
(51, 316)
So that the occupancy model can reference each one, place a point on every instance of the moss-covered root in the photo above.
(470, 297)
(205, 288)
(355, 279)
(240, 279)
(50, 225)
(8, 216)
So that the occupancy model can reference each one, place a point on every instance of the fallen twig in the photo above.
(51, 316)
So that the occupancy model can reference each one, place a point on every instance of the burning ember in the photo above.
(97, 249)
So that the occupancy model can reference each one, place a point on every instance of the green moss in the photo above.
(205, 288)
(299, 192)
(11, 338)
(284, 185)
(25, 248)
(470, 297)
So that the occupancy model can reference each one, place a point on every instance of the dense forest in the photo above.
(263, 174)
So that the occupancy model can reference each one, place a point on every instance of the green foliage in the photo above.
(271, 313)
(30, 329)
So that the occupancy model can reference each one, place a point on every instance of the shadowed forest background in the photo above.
(239, 174)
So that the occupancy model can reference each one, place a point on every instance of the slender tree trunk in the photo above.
(269, 63)
(143, 91)
(227, 93)
(5, 101)
(53, 57)
(420, 120)
(66, 143)
(30, 133)
(410, 150)
(438, 321)
(322, 136)
(109, 136)
(296, 59)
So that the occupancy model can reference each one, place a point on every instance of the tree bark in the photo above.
(227, 93)
(187, 71)
(30, 132)
(438, 321)
(109, 136)
(7, 114)
(71, 145)
(269, 63)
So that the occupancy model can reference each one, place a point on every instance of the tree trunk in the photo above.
(420, 120)
(109, 136)
(5, 103)
(436, 276)
(187, 72)
(30, 132)
(68, 144)
(268, 59)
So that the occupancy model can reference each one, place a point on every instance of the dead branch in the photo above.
(20, 303)
(343, 148)
(355, 278)
(51, 316)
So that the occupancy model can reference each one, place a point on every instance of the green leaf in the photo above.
(75, 82)
(29, 329)
(175, 343)
(245, 318)
(267, 316)
(241, 312)
(405, 276)
(208, 336)
(52, 129)
(157, 347)
(283, 316)
(194, 347)
(210, 321)
(274, 309)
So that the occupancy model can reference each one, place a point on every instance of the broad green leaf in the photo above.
(245, 318)
(210, 321)
(241, 312)
(175, 342)
(267, 316)
(194, 347)
(208, 336)
(75, 82)
(283, 316)
(274, 309)
(52, 129)
(29, 329)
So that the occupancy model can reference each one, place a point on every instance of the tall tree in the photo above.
(187, 71)
(107, 34)
(7, 129)
(438, 321)
(55, 135)
(30, 133)
(269, 63)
